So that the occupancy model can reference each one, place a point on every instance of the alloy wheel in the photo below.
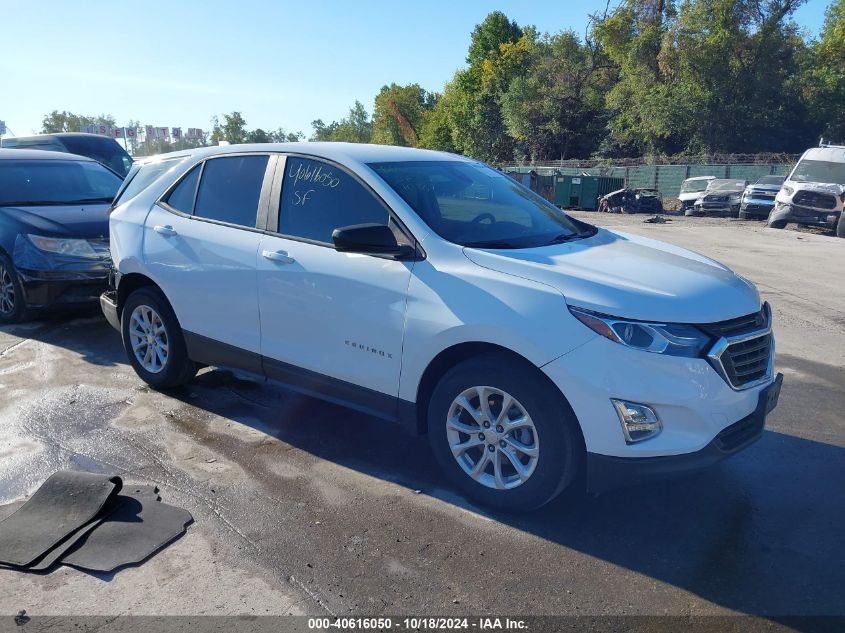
(492, 437)
(7, 291)
(148, 338)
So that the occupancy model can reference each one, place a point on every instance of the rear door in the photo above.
(200, 246)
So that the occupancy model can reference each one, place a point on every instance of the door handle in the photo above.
(278, 256)
(164, 230)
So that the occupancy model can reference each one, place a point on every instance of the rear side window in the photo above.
(230, 189)
(141, 177)
(318, 198)
(183, 195)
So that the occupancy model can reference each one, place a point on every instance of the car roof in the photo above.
(830, 154)
(40, 154)
(357, 152)
(700, 178)
(33, 137)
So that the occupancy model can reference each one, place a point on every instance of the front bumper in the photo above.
(44, 289)
(713, 208)
(606, 473)
(694, 403)
(804, 215)
(755, 210)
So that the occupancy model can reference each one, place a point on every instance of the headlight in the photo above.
(787, 190)
(74, 248)
(734, 197)
(673, 339)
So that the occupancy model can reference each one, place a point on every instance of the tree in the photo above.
(825, 72)
(65, 121)
(399, 113)
(356, 127)
(555, 108)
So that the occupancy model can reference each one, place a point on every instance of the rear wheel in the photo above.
(153, 340)
(12, 302)
(503, 437)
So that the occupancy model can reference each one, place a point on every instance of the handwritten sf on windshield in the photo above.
(314, 174)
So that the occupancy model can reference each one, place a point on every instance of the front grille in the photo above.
(715, 198)
(747, 361)
(740, 433)
(100, 246)
(815, 199)
(762, 195)
(743, 351)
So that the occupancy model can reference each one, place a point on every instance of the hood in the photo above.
(85, 221)
(824, 187)
(766, 188)
(692, 195)
(630, 276)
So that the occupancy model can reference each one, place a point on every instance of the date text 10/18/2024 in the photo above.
(417, 624)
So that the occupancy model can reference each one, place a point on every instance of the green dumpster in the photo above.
(583, 192)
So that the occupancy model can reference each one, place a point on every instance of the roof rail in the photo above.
(823, 144)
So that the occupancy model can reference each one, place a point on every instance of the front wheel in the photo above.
(12, 302)
(840, 226)
(503, 437)
(776, 224)
(153, 340)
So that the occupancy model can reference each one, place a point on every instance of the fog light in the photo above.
(639, 422)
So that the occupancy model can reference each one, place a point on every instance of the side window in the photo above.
(230, 188)
(182, 196)
(317, 198)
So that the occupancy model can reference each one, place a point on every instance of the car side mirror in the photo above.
(369, 239)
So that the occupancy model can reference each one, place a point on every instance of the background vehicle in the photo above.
(54, 247)
(721, 198)
(330, 267)
(758, 199)
(691, 190)
(814, 191)
(102, 149)
(632, 201)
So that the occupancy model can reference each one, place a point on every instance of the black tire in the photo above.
(177, 369)
(776, 224)
(840, 226)
(14, 295)
(558, 434)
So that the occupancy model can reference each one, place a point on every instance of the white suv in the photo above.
(434, 291)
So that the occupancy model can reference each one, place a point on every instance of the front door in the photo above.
(331, 323)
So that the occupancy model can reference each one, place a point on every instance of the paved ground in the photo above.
(304, 507)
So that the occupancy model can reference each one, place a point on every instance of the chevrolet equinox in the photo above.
(431, 290)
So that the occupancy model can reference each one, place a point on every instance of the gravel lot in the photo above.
(305, 507)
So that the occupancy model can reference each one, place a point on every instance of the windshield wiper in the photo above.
(568, 237)
(490, 244)
(104, 199)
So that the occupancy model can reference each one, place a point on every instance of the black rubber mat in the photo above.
(137, 528)
(66, 502)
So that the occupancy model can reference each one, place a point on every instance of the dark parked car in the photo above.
(759, 199)
(102, 149)
(632, 201)
(721, 198)
(54, 232)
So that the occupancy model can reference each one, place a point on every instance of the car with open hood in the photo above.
(722, 198)
(758, 199)
(54, 246)
(814, 191)
(536, 351)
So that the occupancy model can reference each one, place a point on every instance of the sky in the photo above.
(281, 63)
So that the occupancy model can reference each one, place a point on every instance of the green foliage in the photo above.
(64, 121)
(356, 127)
(399, 114)
(825, 67)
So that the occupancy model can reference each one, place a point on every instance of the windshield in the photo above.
(472, 204)
(694, 186)
(726, 185)
(770, 180)
(45, 182)
(819, 171)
